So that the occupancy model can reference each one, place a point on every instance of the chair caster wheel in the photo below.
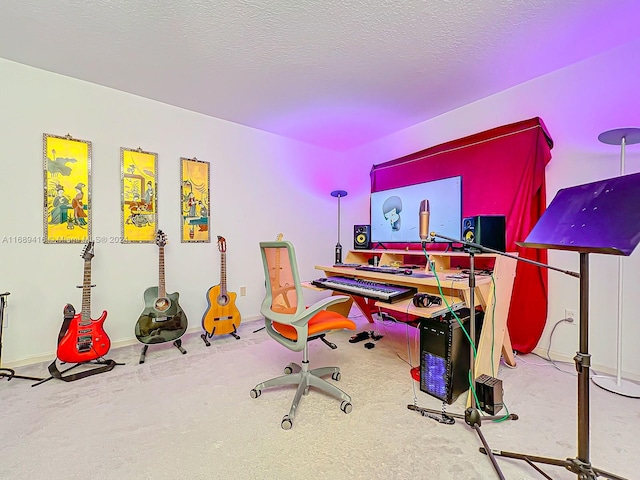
(255, 393)
(286, 423)
(336, 376)
(346, 407)
(288, 370)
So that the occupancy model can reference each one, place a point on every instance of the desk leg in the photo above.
(366, 305)
(507, 349)
(343, 308)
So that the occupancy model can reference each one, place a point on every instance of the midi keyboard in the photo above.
(366, 288)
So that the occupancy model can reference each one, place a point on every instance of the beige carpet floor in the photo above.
(191, 417)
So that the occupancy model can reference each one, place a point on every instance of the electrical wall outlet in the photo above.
(243, 291)
(570, 316)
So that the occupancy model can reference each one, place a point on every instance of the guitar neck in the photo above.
(86, 294)
(223, 273)
(162, 292)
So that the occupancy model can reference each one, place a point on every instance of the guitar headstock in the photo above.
(161, 238)
(87, 251)
(222, 244)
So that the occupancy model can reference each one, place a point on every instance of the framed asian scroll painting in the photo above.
(194, 199)
(139, 196)
(67, 189)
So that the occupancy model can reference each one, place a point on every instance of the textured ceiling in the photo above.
(334, 73)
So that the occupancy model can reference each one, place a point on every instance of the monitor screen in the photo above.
(395, 213)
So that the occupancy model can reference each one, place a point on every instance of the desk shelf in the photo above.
(387, 258)
(406, 306)
(441, 260)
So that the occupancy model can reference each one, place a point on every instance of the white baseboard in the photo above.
(601, 369)
(117, 344)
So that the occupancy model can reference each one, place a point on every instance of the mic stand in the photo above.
(472, 416)
(7, 372)
(472, 248)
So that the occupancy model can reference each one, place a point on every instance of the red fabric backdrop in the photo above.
(503, 173)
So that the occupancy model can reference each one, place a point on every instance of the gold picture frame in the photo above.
(194, 200)
(67, 189)
(138, 196)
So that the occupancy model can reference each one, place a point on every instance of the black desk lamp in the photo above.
(339, 194)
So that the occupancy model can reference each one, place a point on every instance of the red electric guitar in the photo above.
(82, 339)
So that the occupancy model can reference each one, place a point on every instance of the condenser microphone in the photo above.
(424, 220)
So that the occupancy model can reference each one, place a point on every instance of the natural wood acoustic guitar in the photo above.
(222, 317)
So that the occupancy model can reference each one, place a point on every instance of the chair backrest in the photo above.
(284, 298)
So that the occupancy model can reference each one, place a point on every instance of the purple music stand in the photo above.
(600, 217)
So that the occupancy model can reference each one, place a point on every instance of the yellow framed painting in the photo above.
(194, 199)
(67, 189)
(139, 196)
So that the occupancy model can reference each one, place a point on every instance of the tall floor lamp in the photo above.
(622, 137)
(339, 194)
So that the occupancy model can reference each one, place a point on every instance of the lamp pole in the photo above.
(622, 137)
(339, 194)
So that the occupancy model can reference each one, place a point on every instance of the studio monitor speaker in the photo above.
(486, 230)
(361, 237)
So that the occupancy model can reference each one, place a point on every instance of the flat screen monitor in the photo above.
(395, 213)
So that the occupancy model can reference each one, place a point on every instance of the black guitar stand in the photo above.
(7, 372)
(105, 365)
(177, 343)
(206, 335)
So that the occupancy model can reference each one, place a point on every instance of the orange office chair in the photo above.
(291, 324)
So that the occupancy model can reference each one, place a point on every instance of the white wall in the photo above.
(261, 185)
(576, 103)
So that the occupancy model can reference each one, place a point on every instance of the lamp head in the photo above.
(630, 136)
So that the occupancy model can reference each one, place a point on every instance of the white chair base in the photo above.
(305, 378)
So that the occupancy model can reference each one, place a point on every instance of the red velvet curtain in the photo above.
(503, 173)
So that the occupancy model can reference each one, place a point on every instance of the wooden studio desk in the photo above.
(494, 297)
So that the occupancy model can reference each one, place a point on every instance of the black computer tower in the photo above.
(445, 354)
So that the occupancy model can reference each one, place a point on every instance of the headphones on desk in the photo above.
(425, 300)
